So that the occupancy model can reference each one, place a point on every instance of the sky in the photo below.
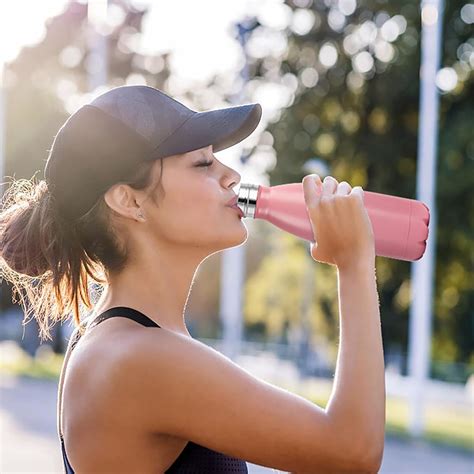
(196, 33)
(160, 33)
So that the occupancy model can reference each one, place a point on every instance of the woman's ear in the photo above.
(122, 199)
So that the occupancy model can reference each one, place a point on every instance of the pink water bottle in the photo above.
(400, 225)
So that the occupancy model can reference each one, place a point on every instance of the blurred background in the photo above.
(339, 83)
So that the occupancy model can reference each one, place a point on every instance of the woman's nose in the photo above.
(230, 177)
(234, 178)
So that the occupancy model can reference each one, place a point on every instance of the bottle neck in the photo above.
(247, 199)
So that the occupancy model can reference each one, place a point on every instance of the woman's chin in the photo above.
(243, 236)
(235, 236)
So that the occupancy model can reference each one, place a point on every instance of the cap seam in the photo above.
(174, 131)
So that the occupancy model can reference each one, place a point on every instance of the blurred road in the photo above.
(29, 442)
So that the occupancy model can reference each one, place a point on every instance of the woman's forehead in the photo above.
(201, 151)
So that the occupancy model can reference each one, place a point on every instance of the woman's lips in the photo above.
(237, 208)
(233, 201)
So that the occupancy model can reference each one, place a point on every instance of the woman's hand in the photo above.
(340, 222)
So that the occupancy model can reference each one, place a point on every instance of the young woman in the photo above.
(134, 199)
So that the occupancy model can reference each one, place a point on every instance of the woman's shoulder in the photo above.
(97, 365)
(107, 353)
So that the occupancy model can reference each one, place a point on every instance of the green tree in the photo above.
(355, 77)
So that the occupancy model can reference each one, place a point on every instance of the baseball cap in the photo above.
(104, 141)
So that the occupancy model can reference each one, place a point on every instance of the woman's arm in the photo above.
(167, 383)
(358, 396)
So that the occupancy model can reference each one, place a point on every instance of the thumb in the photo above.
(312, 187)
(312, 190)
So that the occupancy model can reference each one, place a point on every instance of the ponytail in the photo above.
(49, 261)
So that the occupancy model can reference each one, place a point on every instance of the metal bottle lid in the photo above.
(247, 199)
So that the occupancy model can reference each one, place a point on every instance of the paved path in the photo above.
(29, 443)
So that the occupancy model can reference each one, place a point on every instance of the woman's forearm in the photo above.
(357, 402)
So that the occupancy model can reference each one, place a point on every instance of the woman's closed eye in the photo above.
(205, 163)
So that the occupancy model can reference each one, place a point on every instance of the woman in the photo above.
(134, 198)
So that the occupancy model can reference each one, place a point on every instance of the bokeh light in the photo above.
(446, 79)
(467, 13)
(303, 21)
(384, 51)
(328, 55)
(363, 62)
(336, 19)
(347, 7)
(309, 77)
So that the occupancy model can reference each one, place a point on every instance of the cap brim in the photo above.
(220, 128)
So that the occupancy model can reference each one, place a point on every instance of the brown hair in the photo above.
(50, 261)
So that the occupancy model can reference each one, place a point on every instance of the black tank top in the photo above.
(194, 459)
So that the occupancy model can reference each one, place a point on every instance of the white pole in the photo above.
(97, 59)
(232, 279)
(233, 267)
(419, 347)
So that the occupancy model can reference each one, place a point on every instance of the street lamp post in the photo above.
(97, 41)
(233, 259)
(419, 346)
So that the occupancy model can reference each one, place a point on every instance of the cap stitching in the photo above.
(174, 131)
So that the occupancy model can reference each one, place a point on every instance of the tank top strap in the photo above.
(116, 311)
(124, 312)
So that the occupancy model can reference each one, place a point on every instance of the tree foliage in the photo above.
(353, 77)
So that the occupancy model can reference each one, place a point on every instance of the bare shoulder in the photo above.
(178, 386)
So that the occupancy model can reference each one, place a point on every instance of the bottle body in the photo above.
(400, 225)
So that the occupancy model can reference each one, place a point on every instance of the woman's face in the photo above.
(193, 210)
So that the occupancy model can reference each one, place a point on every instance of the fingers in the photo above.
(343, 188)
(357, 190)
(312, 194)
(329, 185)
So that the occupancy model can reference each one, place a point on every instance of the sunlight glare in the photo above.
(22, 23)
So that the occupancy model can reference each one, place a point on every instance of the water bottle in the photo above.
(400, 225)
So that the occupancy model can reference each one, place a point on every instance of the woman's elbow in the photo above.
(371, 460)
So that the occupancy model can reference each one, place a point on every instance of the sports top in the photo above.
(194, 459)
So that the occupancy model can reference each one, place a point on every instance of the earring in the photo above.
(140, 215)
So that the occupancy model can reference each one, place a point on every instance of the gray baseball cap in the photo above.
(103, 141)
